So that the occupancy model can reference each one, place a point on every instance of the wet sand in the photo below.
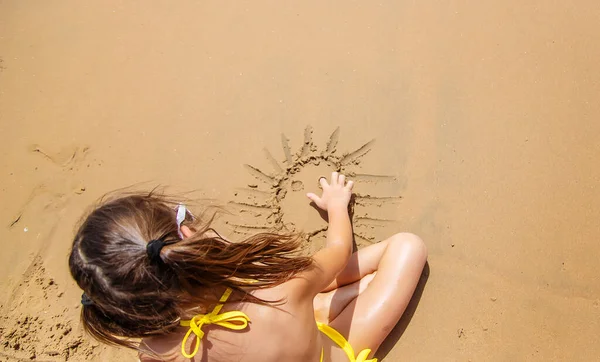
(484, 122)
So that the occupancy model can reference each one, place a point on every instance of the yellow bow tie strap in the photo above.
(344, 344)
(235, 320)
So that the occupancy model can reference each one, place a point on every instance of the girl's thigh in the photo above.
(370, 317)
(364, 261)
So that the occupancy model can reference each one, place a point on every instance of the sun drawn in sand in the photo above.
(278, 202)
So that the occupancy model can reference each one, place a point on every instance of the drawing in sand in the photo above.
(267, 200)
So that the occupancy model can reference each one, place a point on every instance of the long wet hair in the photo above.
(128, 296)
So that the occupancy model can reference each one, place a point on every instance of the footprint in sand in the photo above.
(273, 204)
(54, 192)
(67, 158)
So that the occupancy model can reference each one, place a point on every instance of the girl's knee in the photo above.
(411, 244)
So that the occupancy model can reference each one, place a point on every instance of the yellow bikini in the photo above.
(237, 320)
(344, 344)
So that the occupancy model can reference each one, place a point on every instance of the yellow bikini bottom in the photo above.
(237, 320)
(344, 344)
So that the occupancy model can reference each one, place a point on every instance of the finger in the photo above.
(323, 182)
(334, 178)
(342, 179)
(350, 185)
(313, 197)
(316, 199)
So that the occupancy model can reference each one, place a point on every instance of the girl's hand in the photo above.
(336, 194)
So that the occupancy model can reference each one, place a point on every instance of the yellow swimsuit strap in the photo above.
(235, 320)
(344, 344)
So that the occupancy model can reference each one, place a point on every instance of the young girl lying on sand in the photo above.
(150, 271)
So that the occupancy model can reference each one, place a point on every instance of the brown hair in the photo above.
(132, 297)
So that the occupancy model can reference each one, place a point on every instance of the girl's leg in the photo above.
(352, 281)
(367, 319)
(363, 262)
(328, 305)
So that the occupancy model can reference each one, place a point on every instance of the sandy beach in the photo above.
(475, 125)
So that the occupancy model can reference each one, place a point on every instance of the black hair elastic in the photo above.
(85, 300)
(153, 250)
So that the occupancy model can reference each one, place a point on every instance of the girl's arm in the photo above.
(332, 259)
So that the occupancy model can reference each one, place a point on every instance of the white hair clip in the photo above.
(181, 212)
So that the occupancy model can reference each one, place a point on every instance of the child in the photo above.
(153, 273)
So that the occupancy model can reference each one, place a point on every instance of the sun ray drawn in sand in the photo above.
(266, 201)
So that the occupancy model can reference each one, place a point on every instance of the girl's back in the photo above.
(285, 333)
